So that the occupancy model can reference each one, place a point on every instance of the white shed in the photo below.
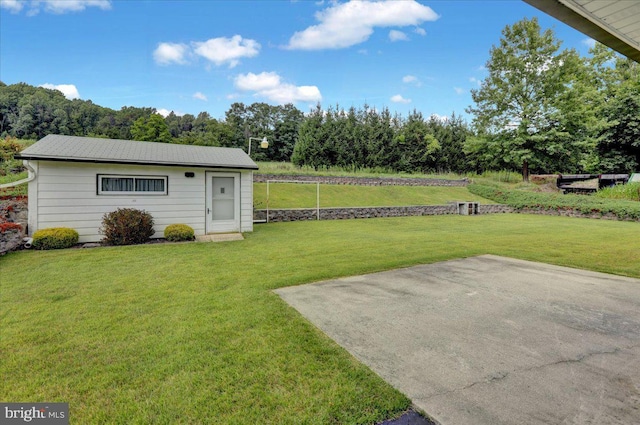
(76, 180)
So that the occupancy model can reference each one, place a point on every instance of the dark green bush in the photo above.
(55, 238)
(127, 226)
(179, 232)
(518, 199)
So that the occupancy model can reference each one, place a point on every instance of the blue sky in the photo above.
(191, 56)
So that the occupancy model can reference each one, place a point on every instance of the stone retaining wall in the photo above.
(361, 181)
(420, 210)
(574, 214)
(495, 209)
(12, 211)
(369, 212)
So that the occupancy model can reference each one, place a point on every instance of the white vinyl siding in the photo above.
(246, 201)
(65, 195)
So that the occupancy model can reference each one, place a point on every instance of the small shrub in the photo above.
(178, 233)
(127, 226)
(55, 238)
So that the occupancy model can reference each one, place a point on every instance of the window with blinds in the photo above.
(131, 185)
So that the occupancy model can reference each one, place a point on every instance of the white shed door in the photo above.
(223, 202)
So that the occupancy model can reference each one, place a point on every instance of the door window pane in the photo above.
(223, 198)
(223, 209)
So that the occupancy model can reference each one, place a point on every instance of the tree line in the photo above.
(540, 109)
(28, 112)
(368, 138)
(356, 138)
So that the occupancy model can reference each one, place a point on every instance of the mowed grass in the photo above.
(192, 332)
(303, 195)
(287, 168)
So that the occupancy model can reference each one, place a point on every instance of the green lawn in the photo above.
(291, 195)
(191, 332)
(287, 168)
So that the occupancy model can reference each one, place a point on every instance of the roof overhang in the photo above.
(61, 148)
(614, 23)
(150, 163)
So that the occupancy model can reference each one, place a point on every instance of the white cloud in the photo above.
(224, 50)
(288, 93)
(257, 82)
(459, 90)
(346, 24)
(441, 118)
(219, 50)
(53, 6)
(68, 90)
(14, 6)
(63, 6)
(399, 99)
(420, 31)
(475, 81)
(269, 85)
(167, 53)
(198, 95)
(589, 42)
(412, 79)
(165, 112)
(395, 35)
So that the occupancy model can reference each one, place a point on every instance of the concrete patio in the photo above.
(491, 340)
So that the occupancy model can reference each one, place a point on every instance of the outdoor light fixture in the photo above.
(264, 144)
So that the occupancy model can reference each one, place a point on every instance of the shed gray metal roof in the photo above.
(90, 149)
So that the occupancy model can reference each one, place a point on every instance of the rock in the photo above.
(10, 240)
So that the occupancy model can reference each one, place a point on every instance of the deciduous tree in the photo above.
(617, 106)
(518, 108)
(151, 129)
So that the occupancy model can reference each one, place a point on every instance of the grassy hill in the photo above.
(291, 195)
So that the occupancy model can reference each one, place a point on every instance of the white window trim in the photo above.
(132, 192)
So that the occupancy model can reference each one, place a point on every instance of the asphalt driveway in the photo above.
(491, 340)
